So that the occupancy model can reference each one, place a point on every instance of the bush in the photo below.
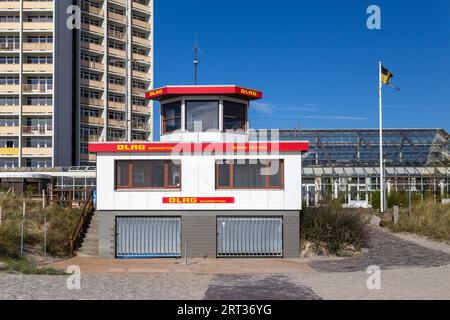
(25, 266)
(334, 228)
(10, 239)
(60, 226)
(428, 218)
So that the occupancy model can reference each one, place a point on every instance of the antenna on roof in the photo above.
(196, 50)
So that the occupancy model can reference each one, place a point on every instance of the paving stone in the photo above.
(257, 287)
(387, 252)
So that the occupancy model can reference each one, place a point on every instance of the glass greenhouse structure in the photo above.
(344, 163)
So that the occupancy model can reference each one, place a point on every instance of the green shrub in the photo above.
(62, 221)
(429, 218)
(25, 266)
(334, 227)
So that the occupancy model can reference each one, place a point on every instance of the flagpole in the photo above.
(380, 90)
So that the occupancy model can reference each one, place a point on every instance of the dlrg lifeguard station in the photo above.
(204, 188)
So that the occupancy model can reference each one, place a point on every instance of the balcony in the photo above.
(141, 24)
(91, 138)
(116, 87)
(116, 123)
(31, 46)
(37, 67)
(92, 102)
(93, 65)
(38, 26)
(92, 84)
(92, 10)
(88, 157)
(117, 35)
(92, 28)
(38, 5)
(9, 68)
(117, 17)
(117, 105)
(92, 120)
(9, 5)
(141, 7)
(9, 151)
(34, 109)
(9, 26)
(141, 109)
(141, 126)
(141, 58)
(9, 130)
(37, 130)
(117, 139)
(38, 88)
(142, 41)
(9, 88)
(142, 75)
(117, 70)
(92, 46)
(139, 91)
(9, 109)
(9, 46)
(31, 152)
(117, 52)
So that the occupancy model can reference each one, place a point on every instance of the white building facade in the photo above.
(204, 190)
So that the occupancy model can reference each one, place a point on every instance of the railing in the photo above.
(9, 46)
(87, 212)
(140, 126)
(43, 87)
(37, 129)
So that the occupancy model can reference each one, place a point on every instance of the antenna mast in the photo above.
(196, 48)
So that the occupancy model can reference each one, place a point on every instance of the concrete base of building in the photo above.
(199, 229)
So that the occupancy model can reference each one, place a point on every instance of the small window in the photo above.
(202, 116)
(234, 116)
(250, 174)
(171, 117)
(148, 174)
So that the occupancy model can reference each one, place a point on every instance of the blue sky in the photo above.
(315, 61)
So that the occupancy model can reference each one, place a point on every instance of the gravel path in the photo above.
(388, 252)
(167, 286)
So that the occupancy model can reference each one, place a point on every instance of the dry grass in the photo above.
(429, 219)
(60, 222)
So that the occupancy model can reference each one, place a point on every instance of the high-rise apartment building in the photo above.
(62, 88)
(115, 67)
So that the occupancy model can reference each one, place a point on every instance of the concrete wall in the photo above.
(63, 86)
(199, 229)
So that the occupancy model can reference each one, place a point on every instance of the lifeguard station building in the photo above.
(204, 189)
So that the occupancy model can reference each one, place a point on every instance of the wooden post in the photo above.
(43, 199)
(1, 215)
(396, 214)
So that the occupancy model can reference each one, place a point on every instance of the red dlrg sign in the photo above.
(198, 200)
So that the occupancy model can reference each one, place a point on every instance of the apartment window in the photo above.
(250, 174)
(114, 115)
(171, 116)
(40, 59)
(39, 162)
(9, 142)
(11, 18)
(9, 122)
(89, 39)
(234, 115)
(11, 80)
(40, 18)
(139, 136)
(40, 39)
(9, 101)
(90, 94)
(139, 102)
(148, 174)
(202, 115)
(9, 60)
(115, 98)
(39, 101)
(88, 57)
(39, 143)
(90, 112)
(90, 76)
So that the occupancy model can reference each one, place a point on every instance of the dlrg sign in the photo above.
(198, 200)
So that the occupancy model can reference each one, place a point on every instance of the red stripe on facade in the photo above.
(216, 147)
(246, 93)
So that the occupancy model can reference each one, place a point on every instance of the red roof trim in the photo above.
(252, 147)
(246, 93)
